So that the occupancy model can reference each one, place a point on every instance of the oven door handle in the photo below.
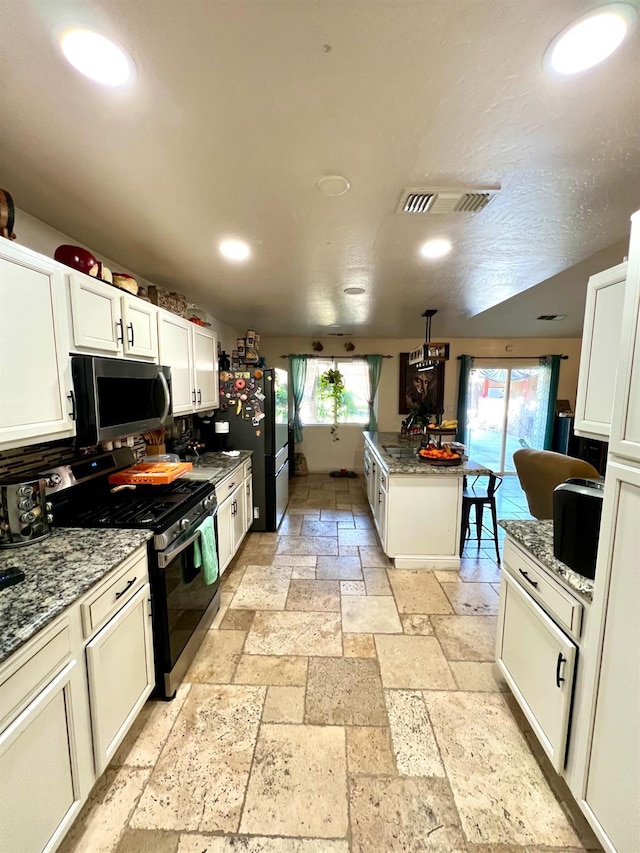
(165, 557)
(167, 396)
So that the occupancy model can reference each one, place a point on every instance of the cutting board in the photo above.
(150, 474)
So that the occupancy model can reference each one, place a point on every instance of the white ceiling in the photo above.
(240, 106)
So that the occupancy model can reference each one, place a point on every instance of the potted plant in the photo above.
(332, 388)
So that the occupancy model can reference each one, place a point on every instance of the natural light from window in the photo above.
(316, 411)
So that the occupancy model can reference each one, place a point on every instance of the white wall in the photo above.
(323, 454)
(37, 235)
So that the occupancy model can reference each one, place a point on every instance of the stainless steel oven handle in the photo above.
(167, 396)
(165, 557)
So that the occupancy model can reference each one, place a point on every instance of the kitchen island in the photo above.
(416, 506)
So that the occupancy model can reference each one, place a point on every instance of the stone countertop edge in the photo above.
(536, 536)
(396, 465)
(212, 462)
(58, 571)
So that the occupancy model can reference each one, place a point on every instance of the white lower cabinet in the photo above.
(538, 662)
(612, 779)
(40, 794)
(66, 704)
(121, 677)
(417, 517)
(235, 500)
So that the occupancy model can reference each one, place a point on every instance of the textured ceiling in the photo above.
(241, 106)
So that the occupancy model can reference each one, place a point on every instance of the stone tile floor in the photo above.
(338, 705)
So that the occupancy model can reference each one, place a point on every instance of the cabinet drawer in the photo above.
(37, 670)
(225, 487)
(248, 468)
(559, 604)
(111, 596)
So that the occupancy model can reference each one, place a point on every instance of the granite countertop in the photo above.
(58, 571)
(411, 464)
(536, 536)
(215, 466)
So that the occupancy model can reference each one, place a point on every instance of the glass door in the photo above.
(507, 410)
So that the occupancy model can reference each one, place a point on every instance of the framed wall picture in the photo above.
(416, 387)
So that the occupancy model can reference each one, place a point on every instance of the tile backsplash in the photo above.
(41, 457)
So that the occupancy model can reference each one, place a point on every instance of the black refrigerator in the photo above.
(255, 403)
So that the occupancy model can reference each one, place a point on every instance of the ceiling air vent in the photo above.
(552, 317)
(421, 200)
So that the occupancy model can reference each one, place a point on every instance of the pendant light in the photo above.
(428, 355)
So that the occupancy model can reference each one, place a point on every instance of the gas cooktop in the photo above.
(153, 507)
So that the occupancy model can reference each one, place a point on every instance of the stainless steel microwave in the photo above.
(116, 397)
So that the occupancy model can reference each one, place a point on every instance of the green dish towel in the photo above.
(205, 552)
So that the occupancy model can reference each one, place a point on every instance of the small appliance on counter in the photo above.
(24, 511)
(577, 509)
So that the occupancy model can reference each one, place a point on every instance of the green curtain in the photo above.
(298, 369)
(374, 363)
(466, 364)
(551, 375)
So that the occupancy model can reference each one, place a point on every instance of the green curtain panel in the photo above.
(298, 370)
(551, 375)
(374, 363)
(466, 364)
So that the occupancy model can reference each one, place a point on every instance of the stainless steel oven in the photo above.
(184, 606)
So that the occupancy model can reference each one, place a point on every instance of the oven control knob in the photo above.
(49, 519)
(25, 491)
(48, 506)
(184, 523)
(25, 503)
(54, 479)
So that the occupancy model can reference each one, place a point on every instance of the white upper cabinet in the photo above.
(596, 381)
(192, 354)
(35, 382)
(175, 350)
(625, 429)
(140, 328)
(109, 322)
(205, 357)
(96, 323)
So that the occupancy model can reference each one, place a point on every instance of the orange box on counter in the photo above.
(150, 474)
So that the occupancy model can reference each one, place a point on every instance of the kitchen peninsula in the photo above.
(416, 506)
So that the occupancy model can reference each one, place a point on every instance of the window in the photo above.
(318, 411)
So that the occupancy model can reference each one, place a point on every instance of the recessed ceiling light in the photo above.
(352, 291)
(235, 250)
(590, 39)
(97, 57)
(437, 248)
(334, 325)
(333, 185)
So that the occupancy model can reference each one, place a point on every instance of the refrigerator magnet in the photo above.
(259, 395)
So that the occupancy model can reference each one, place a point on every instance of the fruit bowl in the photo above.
(438, 458)
(441, 463)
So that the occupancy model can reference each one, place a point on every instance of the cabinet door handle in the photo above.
(528, 579)
(193, 394)
(199, 396)
(379, 497)
(71, 396)
(127, 587)
(130, 329)
(559, 663)
(119, 332)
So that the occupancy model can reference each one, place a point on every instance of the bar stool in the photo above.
(478, 496)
